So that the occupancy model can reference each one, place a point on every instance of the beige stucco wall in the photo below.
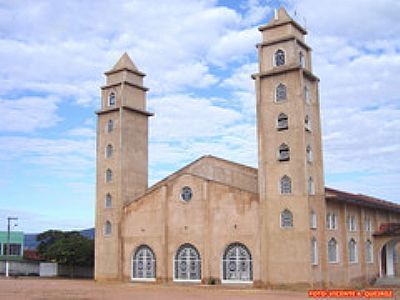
(216, 216)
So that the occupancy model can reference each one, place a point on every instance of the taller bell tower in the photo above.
(291, 182)
(122, 160)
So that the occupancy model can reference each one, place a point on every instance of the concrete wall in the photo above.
(20, 268)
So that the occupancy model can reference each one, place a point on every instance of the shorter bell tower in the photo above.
(290, 176)
(122, 160)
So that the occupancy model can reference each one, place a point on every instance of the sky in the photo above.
(198, 56)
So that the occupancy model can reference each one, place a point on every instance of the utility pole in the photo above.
(9, 219)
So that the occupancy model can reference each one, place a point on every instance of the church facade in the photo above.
(217, 221)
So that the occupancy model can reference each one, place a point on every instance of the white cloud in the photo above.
(27, 114)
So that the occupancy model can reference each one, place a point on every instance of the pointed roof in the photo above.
(281, 17)
(125, 63)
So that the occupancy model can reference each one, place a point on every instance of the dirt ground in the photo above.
(55, 289)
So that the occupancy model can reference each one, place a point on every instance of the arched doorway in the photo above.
(187, 264)
(389, 260)
(237, 264)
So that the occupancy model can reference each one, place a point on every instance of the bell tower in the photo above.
(122, 160)
(290, 176)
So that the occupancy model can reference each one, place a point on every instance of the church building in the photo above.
(218, 221)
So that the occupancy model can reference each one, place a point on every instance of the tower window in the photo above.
(111, 99)
(307, 123)
(311, 187)
(302, 60)
(282, 123)
(313, 220)
(352, 251)
(307, 94)
(279, 58)
(108, 203)
(108, 175)
(309, 154)
(109, 151)
(107, 228)
(333, 251)
(314, 252)
(110, 126)
(286, 219)
(286, 185)
(280, 93)
(284, 153)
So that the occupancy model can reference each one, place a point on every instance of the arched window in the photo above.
(286, 185)
(279, 57)
(314, 252)
(282, 123)
(286, 219)
(108, 175)
(237, 264)
(110, 126)
(352, 251)
(311, 186)
(313, 220)
(187, 264)
(143, 264)
(280, 93)
(284, 153)
(332, 251)
(302, 60)
(307, 123)
(108, 201)
(109, 151)
(368, 252)
(309, 154)
(306, 94)
(107, 228)
(111, 99)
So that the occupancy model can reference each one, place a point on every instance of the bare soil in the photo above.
(56, 289)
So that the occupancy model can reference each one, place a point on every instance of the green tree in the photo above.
(67, 248)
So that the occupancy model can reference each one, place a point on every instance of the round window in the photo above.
(186, 193)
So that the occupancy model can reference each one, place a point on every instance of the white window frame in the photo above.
(311, 186)
(228, 281)
(336, 252)
(109, 99)
(106, 151)
(149, 279)
(355, 251)
(313, 220)
(351, 223)
(302, 59)
(173, 265)
(108, 196)
(276, 93)
(280, 186)
(369, 247)
(309, 154)
(291, 216)
(105, 230)
(277, 122)
(314, 252)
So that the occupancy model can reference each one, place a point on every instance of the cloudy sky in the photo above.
(198, 56)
